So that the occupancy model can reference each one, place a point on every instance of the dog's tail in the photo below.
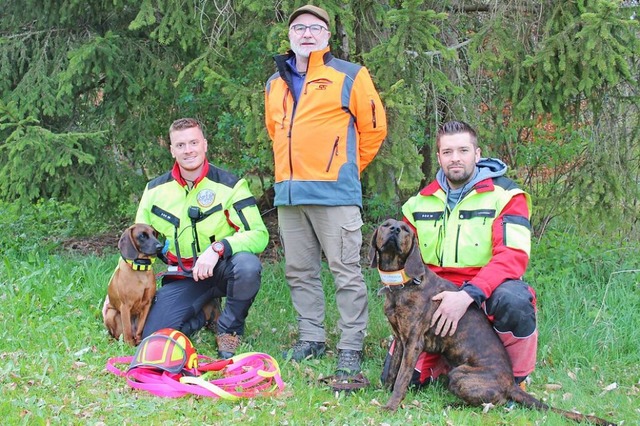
(527, 400)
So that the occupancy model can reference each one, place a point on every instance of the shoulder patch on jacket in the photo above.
(349, 68)
(160, 180)
(505, 183)
(222, 176)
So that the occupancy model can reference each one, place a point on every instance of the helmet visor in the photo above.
(160, 351)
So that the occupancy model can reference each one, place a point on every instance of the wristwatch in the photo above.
(218, 247)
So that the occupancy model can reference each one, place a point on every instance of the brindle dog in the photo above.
(480, 369)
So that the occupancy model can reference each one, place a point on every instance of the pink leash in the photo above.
(245, 375)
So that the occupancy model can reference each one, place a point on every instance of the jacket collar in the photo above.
(175, 173)
(320, 57)
(316, 59)
(485, 185)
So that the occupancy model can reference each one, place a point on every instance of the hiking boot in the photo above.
(304, 349)
(348, 362)
(227, 344)
(211, 312)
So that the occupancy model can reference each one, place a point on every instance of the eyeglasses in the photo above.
(314, 29)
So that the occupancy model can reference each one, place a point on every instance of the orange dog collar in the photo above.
(393, 278)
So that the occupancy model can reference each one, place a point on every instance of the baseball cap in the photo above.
(313, 10)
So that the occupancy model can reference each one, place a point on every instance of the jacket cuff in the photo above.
(476, 294)
(228, 251)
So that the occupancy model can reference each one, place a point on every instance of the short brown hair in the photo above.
(453, 128)
(184, 123)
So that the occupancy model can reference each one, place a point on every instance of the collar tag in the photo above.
(391, 278)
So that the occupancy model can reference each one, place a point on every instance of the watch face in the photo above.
(218, 247)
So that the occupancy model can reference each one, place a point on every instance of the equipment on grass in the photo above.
(166, 364)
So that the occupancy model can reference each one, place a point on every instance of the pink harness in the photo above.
(245, 375)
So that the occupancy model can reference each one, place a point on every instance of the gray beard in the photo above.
(304, 53)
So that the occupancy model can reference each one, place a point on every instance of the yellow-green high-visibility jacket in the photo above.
(222, 209)
(485, 240)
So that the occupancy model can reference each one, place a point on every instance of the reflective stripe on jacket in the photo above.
(486, 239)
(322, 143)
(225, 208)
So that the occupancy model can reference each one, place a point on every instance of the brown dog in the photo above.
(480, 369)
(133, 284)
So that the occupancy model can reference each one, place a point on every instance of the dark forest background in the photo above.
(88, 90)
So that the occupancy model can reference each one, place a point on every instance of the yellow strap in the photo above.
(138, 267)
(216, 390)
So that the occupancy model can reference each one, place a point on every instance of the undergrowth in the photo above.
(53, 346)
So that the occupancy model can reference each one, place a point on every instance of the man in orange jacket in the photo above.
(327, 123)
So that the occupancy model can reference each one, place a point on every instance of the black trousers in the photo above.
(178, 303)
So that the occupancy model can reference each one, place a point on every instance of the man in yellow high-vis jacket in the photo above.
(214, 231)
(473, 228)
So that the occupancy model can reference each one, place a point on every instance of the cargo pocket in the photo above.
(351, 241)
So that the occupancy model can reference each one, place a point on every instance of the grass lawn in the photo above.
(53, 350)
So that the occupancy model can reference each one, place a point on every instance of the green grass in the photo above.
(53, 350)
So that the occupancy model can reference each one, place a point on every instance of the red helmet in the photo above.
(166, 349)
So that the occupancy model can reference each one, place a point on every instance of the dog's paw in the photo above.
(391, 406)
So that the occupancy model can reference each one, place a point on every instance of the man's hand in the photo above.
(453, 305)
(203, 268)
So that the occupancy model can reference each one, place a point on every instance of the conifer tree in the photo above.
(88, 90)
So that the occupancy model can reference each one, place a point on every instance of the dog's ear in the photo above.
(413, 266)
(126, 245)
(373, 253)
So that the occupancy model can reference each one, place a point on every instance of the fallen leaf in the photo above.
(486, 407)
(82, 351)
(552, 387)
(609, 388)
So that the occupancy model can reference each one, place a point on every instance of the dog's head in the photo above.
(394, 247)
(139, 241)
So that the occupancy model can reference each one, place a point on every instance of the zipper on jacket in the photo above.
(439, 247)
(284, 107)
(334, 153)
(317, 80)
(457, 241)
(373, 113)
